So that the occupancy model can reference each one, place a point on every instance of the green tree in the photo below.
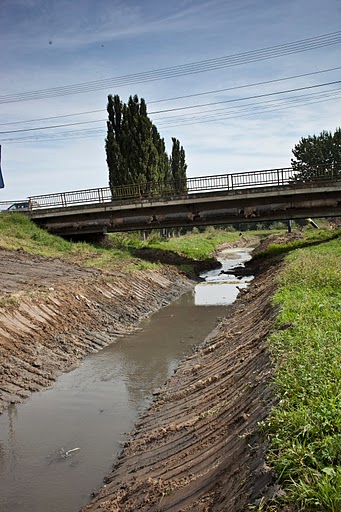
(113, 144)
(178, 166)
(318, 155)
(135, 151)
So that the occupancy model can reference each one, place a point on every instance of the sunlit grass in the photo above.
(18, 232)
(310, 237)
(196, 246)
(305, 428)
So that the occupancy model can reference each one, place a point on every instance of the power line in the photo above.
(237, 59)
(266, 82)
(246, 97)
(246, 110)
(240, 108)
(236, 87)
(239, 111)
(52, 126)
(52, 117)
(179, 108)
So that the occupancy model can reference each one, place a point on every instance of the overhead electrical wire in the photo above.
(241, 108)
(266, 82)
(204, 93)
(189, 107)
(237, 59)
(262, 108)
(180, 97)
(252, 113)
(233, 100)
(212, 115)
(100, 134)
(236, 111)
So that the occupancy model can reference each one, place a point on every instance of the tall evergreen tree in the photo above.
(178, 166)
(118, 172)
(135, 151)
(317, 153)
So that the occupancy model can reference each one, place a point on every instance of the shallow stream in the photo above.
(56, 448)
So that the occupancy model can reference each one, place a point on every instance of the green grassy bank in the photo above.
(18, 232)
(304, 430)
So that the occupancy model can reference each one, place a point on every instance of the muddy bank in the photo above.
(198, 448)
(54, 314)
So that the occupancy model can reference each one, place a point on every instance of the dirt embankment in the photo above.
(198, 447)
(53, 314)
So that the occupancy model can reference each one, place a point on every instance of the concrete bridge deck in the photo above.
(212, 200)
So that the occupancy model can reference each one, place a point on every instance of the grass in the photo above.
(18, 232)
(311, 237)
(304, 430)
(196, 246)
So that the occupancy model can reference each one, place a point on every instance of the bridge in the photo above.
(266, 195)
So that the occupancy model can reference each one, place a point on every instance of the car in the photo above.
(22, 206)
(19, 207)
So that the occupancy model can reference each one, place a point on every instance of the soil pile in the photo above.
(198, 447)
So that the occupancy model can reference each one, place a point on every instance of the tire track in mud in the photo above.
(49, 330)
(197, 448)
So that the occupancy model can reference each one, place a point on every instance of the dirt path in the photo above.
(198, 447)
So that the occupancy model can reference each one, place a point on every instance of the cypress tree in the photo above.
(178, 166)
(135, 151)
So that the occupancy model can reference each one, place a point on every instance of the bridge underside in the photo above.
(215, 208)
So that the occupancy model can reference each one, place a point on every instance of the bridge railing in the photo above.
(259, 178)
(136, 191)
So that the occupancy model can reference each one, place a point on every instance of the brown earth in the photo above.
(53, 314)
(198, 447)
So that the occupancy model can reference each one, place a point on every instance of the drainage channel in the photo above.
(56, 448)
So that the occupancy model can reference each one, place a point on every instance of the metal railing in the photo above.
(166, 190)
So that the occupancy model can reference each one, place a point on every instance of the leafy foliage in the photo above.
(318, 155)
(178, 166)
(136, 153)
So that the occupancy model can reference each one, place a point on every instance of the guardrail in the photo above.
(136, 191)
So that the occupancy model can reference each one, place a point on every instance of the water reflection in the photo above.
(221, 286)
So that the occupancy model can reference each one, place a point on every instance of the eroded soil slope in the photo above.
(198, 447)
(52, 314)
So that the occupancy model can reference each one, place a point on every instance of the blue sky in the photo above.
(48, 43)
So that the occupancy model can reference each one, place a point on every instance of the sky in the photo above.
(193, 49)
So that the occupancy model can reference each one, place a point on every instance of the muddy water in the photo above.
(56, 448)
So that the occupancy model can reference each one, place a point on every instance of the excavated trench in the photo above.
(197, 447)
